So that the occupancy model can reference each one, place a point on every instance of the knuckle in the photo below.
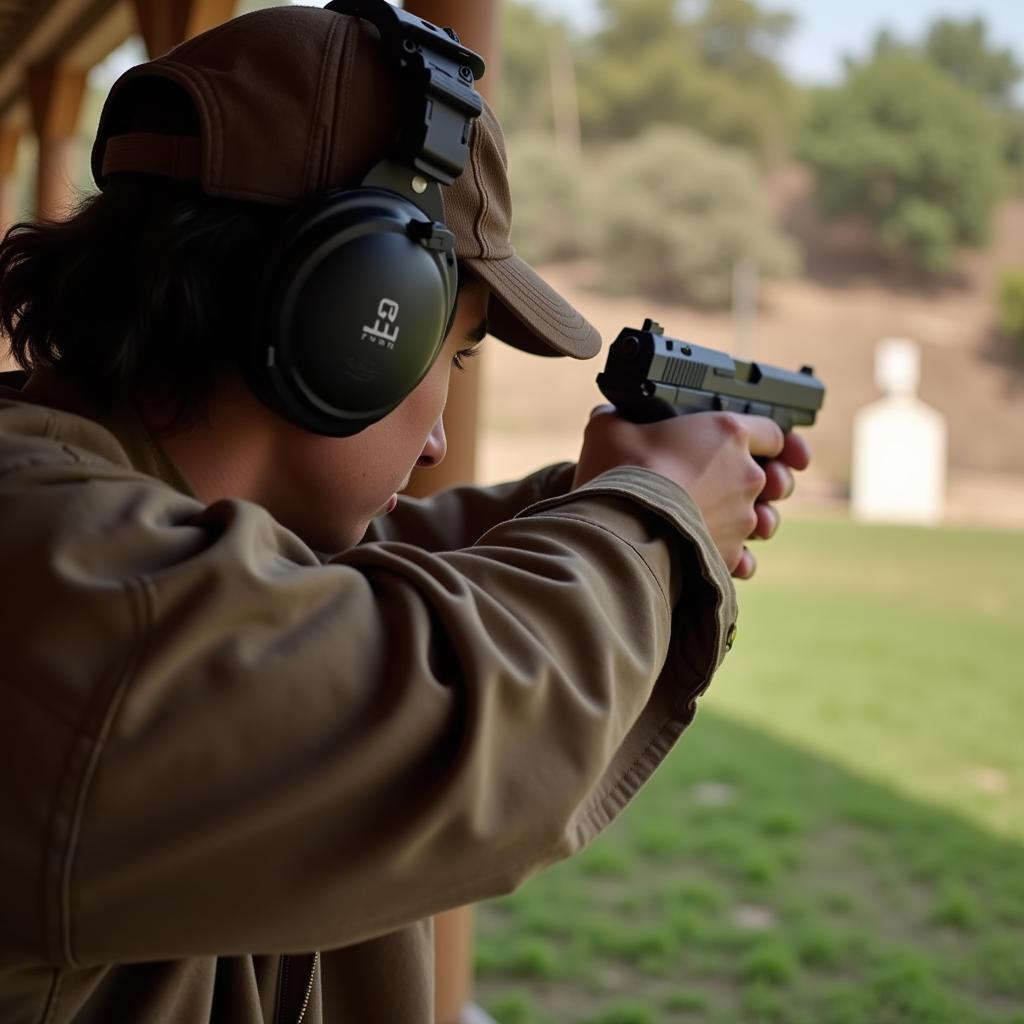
(731, 425)
(756, 478)
(749, 522)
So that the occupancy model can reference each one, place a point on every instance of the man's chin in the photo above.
(335, 540)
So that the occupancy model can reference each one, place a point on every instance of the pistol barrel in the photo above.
(649, 376)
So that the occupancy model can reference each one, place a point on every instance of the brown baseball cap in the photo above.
(293, 102)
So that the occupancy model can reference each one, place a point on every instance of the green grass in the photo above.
(838, 839)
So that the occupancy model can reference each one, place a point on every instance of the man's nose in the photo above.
(435, 448)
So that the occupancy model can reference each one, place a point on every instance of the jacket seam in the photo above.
(10, 466)
(137, 604)
(611, 533)
(73, 458)
(52, 997)
(595, 812)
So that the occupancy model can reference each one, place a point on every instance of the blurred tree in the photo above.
(904, 146)
(679, 235)
(886, 41)
(962, 50)
(738, 36)
(706, 64)
(526, 74)
(552, 199)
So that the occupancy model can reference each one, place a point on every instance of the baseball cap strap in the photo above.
(174, 156)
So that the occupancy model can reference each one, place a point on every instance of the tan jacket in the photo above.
(215, 749)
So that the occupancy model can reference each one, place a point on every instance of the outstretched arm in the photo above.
(456, 517)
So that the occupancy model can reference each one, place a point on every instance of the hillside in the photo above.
(831, 318)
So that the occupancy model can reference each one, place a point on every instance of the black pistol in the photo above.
(649, 376)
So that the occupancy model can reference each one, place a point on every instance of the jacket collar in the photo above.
(123, 420)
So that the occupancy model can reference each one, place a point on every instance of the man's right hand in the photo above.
(711, 455)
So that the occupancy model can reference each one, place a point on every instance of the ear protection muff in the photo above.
(360, 291)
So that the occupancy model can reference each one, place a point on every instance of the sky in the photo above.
(828, 29)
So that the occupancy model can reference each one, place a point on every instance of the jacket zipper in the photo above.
(309, 987)
(284, 972)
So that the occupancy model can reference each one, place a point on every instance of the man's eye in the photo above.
(462, 355)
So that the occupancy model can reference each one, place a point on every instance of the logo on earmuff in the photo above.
(384, 331)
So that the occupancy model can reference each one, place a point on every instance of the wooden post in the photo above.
(55, 96)
(163, 24)
(478, 23)
(9, 138)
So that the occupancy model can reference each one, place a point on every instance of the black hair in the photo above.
(145, 290)
(148, 289)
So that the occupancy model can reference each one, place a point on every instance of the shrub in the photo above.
(625, 1013)
(923, 232)
(1011, 307)
(677, 212)
(515, 1008)
(913, 153)
(550, 192)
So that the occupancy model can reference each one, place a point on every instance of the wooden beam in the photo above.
(55, 97)
(99, 36)
(53, 33)
(55, 94)
(163, 24)
(10, 136)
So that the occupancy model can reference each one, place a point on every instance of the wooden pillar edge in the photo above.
(163, 24)
(10, 136)
(55, 93)
(478, 23)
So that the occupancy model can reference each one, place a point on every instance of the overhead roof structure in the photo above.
(46, 51)
(74, 33)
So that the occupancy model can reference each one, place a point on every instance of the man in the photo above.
(239, 776)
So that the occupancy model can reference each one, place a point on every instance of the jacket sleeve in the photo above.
(244, 750)
(456, 517)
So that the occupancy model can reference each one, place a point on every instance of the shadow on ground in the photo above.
(754, 883)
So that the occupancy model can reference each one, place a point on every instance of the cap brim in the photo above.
(529, 314)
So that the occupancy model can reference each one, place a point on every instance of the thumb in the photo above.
(601, 410)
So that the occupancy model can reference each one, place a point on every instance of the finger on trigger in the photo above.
(766, 437)
(779, 481)
(796, 453)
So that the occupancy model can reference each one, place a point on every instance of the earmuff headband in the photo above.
(438, 102)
